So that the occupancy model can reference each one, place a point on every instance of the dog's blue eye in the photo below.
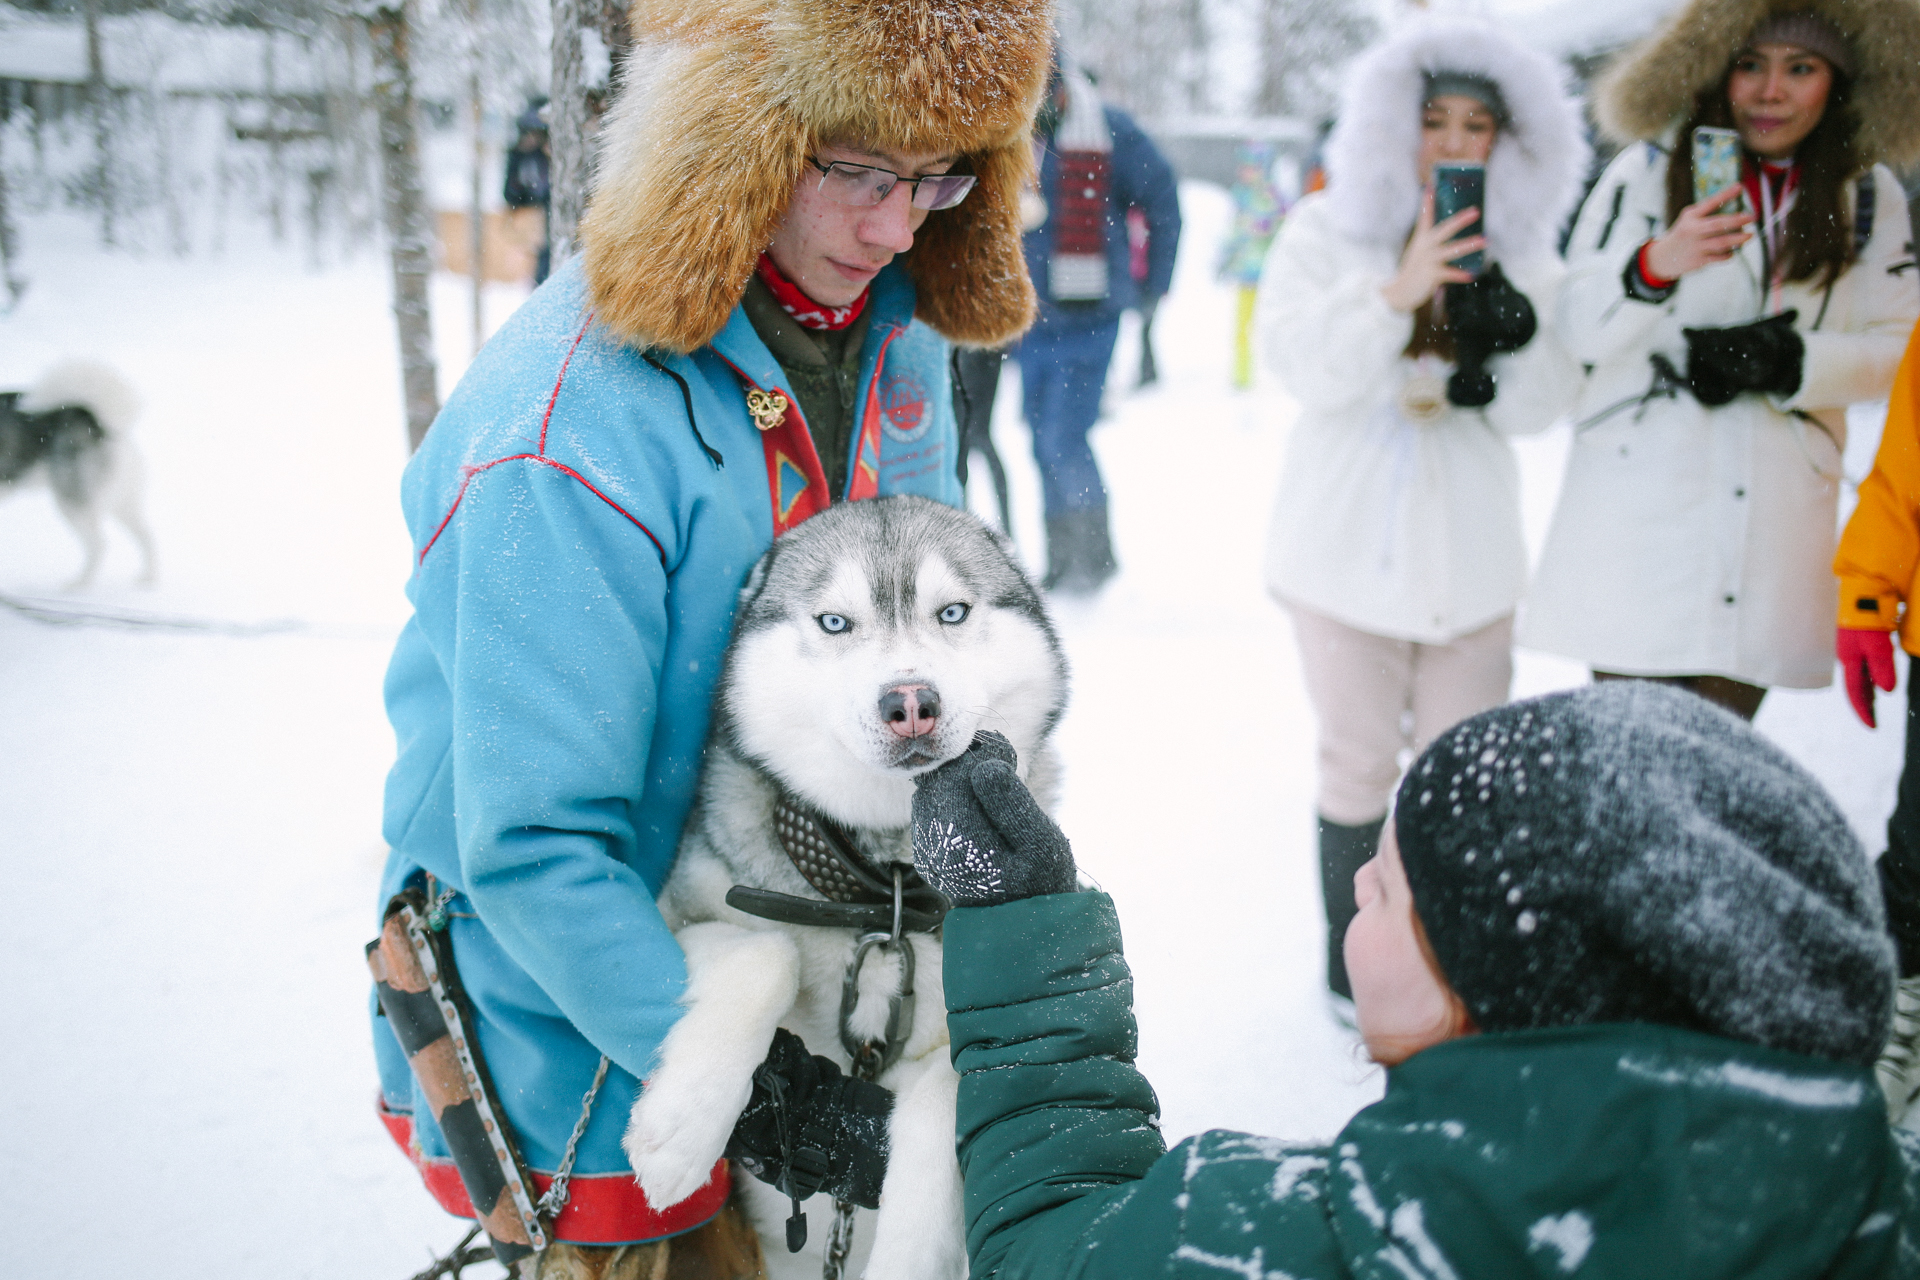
(954, 613)
(832, 623)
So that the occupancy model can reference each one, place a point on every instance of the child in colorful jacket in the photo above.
(590, 500)
(1623, 961)
(1258, 207)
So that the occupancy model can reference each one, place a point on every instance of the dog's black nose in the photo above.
(910, 710)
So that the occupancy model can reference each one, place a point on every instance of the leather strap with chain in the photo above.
(857, 897)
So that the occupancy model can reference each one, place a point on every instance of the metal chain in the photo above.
(443, 896)
(556, 1197)
(839, 1242)
(840, 1235)
(869, 1059)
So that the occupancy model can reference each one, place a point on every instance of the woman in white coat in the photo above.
(1695, 533)
(1396, 544)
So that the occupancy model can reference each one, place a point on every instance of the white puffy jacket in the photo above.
(1696, 541)
(1392, 525)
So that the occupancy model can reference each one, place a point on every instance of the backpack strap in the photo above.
(1865, 204)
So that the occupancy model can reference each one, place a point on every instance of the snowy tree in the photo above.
(389, 28)
(590, 41)
(9, 237)
(100, 105)
(1150, 56)
(567, 128)
(1305, 45)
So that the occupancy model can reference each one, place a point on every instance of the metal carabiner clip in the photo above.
(875, 1056)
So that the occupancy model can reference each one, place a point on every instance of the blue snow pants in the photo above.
(1062, 374)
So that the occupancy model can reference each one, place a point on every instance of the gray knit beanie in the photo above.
(1628, 852)
(1467, 84)
(1808, 31)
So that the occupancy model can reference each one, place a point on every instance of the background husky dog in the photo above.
(870, 644)
(70, 430)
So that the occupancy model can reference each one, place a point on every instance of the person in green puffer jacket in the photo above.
(1623, 961)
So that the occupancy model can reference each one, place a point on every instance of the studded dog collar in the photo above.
(857, 897)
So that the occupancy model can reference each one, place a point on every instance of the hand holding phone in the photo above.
(1700, 237)
(1428, 260)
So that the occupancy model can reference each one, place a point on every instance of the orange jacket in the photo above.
(1879, 558)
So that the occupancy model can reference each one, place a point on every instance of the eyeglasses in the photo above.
(861, 185)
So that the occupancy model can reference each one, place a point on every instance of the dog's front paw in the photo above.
(678, 1131)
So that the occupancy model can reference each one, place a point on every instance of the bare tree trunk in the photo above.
(566, 132)
(98, 104)
(360, 135)
(9, 240)
(616, 32)
(389, 31)
(476, 238)
(276, 151)
(1303, 49)
(161, 106)
(222, 179)
(1195, 73)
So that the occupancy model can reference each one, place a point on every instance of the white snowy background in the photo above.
(189, 819)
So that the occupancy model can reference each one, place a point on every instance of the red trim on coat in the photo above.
(607, 1208)
(467, 473)
(790, 444)
(1653, 281)
(471, 472)
(865, 480)
(553, 399)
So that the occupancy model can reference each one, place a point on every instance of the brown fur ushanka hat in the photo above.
(722, 103)
(1651, 87)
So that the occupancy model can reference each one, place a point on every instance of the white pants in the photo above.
(1376, 697)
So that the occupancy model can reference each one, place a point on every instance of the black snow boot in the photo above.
(1079, 552)
(1343, 851)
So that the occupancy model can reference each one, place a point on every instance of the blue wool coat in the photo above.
(579, 544)
(1141, 179)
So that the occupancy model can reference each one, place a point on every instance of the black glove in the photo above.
(1488, 316)
(978, 835)
(1763, 356)
(810, 1128)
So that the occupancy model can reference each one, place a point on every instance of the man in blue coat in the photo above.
(1095, 164)
(773, 266)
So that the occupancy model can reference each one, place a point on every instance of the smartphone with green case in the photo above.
(1457, 185)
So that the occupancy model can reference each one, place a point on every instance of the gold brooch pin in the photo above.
(769, 408)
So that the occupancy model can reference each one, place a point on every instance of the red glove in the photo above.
(1866, 659)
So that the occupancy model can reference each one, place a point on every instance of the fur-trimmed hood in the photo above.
(1538, 162)
(723, 101)
(1651, 87)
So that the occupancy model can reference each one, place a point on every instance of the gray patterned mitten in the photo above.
(978, 835)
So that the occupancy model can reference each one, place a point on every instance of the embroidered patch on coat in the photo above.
(903, 406)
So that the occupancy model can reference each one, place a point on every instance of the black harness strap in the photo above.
(785, 908)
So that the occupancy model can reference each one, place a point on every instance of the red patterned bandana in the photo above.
(810, 314)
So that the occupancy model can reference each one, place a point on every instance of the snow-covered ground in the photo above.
(189, 818)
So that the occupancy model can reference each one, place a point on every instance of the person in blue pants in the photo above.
(1094, 165)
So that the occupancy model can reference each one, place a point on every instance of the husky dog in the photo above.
(70, 430)
(871, 643)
